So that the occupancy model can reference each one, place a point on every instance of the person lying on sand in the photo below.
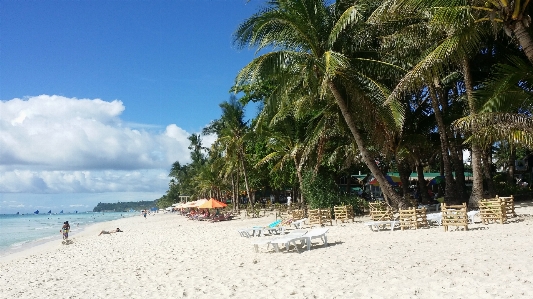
(108, 232)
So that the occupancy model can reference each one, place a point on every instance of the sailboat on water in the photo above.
(17, 213)
(61, 212)
(36, 212)
(50, 212)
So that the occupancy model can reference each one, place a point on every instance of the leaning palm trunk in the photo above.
(522, 34)
(449, 195)
(477, 184)
(367, 158)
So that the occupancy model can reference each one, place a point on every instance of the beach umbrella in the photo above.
(393, 180)
(199, 202)
(212, 204)
(191, 204)
(436, 180)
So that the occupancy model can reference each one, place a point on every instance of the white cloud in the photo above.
(55, 144)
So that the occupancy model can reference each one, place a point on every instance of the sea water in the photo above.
(20, 231)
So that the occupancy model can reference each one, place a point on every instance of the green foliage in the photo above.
(321, 192)
(359, 204)
(504, 189)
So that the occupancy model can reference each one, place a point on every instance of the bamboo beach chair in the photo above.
(319, 216)
(343, 213)
(413, 218)
(454, 215)
(508, 202)
(492, 210)
(380, 211)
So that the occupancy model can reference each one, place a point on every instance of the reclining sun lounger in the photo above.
(274, 228)
(376, 225)
(298, 223)
(293, 236)
(315, 234)
(435, 217)
(471, 215)
(245, 233)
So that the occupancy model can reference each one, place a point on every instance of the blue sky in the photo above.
(98, 97)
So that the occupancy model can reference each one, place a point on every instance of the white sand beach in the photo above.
(168, 256)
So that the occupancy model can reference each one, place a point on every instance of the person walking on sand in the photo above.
(144, 214)
(65, 229)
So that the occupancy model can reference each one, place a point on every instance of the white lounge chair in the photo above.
(245, 233)
(471, 216)
(261, 241)
(298, 223)
(376, 225)
(315, 234)
(435, 217)
(291, 237)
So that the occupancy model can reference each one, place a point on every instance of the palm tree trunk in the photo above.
(300, 180)
(367, 157)
(522, 34)
(405, 172)
(449, 195)
(487, 169)
(477, 184)
(422, 187)
(510, 171)
(250, 197)
(458, 165)
(234, 197)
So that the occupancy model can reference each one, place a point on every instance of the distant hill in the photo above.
(124, 206)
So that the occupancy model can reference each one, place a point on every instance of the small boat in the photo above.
(76, 212)
(36, 212)
(50, 212)
(61, 212)
(17, 213)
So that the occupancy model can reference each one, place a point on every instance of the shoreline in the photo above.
(45, 243)
(167, 256)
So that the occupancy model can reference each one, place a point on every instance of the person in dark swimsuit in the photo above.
(65, 229)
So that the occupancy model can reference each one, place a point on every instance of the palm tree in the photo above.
(231, 130)
(510, 15)
(314, 51)
(505, 113)
(453, 22)
(286, 141)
